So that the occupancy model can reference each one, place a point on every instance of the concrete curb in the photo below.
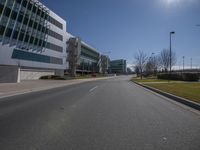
(172, 97)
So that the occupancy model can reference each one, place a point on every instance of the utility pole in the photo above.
(170, 49)
(191, 63)
(183, 62)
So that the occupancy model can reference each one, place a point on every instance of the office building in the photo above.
(32, 39)
(118, 66)
(88, 57)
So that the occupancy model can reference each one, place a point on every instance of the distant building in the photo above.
(89, 59)
(118, 66)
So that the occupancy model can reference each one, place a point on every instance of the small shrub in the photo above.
(167, 76)
(93, 75)
(179, 76)
(190, 77)
(52, 77)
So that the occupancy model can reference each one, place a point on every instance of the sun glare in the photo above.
(172, 1)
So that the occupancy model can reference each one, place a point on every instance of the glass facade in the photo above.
(118, 66)
(88, 53)
(24, 24)
(23, 55)
(89, 60)
(88, 66)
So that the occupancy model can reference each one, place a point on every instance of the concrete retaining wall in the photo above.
(12, 74)
(9, 74)
(34, 74)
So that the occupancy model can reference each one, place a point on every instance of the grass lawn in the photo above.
(188, 90)
(153, 79)
(84, 77)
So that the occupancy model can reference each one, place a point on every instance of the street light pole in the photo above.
(170, 49)
(183, 63)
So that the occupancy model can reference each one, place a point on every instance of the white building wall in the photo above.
(6, 53)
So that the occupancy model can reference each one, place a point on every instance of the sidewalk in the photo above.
(12, 89)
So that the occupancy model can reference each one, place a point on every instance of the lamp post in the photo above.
(183, 63)
(170, 50)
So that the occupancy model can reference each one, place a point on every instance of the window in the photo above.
(55, 35)
(31, 40)
(18, 54)
(55, 22)
(21, 36)
(40, 43)
(35, 42)
(54, 47)
(7, 12)
(14, 15)
(8, 32)
(20, 18)
(25, 21)
(34, 9)
(43, 29)
(15, 34)
(26, 38)
(30, 23)
(30, 6)
(1, 8)
(24, 3)
(2, 29)
(39, 27)
(35, 25)
(42, 14)
(38, 12)
(18, 1)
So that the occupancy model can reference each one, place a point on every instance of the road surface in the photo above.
(112, 114)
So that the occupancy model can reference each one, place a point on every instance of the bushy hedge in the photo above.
(190, 77)
(52, 77)
(179, 76)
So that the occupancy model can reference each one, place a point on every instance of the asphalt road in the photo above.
(112, 114)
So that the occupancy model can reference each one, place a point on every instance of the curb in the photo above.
(172, 97)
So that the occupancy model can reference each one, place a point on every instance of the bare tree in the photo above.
(152, 65)
(141, 59)
(137, 70)
(164, 59)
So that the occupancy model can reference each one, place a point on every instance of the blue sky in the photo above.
(126, 26)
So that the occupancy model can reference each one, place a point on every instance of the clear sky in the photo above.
(126, 26)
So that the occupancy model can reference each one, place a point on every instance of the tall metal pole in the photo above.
(170, 52)
(170, 49)
(191, 62)
(183, 62)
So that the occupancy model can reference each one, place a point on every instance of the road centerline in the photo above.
(92, 89)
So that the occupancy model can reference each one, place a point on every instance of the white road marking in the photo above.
(164, 138)
(93, 88)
